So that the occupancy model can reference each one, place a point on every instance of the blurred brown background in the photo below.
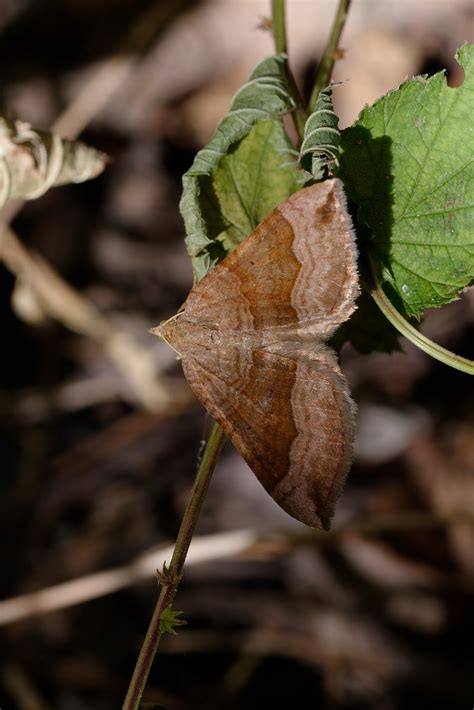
(100, 435)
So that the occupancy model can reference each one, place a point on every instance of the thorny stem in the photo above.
(327, 62)
(281, 47)
(405, 328)
(174, 572)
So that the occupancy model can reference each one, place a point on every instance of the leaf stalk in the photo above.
(412, 334)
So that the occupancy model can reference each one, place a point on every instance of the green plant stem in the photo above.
(172, 575)
(281, 47)
(406, 329)
(279, 26)
(327, 62)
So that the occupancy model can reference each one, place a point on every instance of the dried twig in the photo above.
(78, 591)
(211, 547)
(59, 300)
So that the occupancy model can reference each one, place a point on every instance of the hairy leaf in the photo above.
(367, 329)
(408, 164)
(248, 183)
(210, 232)
(320, 148)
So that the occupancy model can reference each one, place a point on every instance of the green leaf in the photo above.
(408, 165)
(320, 148)
(248, 183)
(367, 329)
(169, 619)
(208, 186)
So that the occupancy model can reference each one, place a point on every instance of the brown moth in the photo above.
(252, 337)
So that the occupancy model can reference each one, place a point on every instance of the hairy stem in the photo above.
(281, 46)
(327, 62)
(172, 575)
(279, 26)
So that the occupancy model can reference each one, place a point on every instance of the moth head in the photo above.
(168, 330)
